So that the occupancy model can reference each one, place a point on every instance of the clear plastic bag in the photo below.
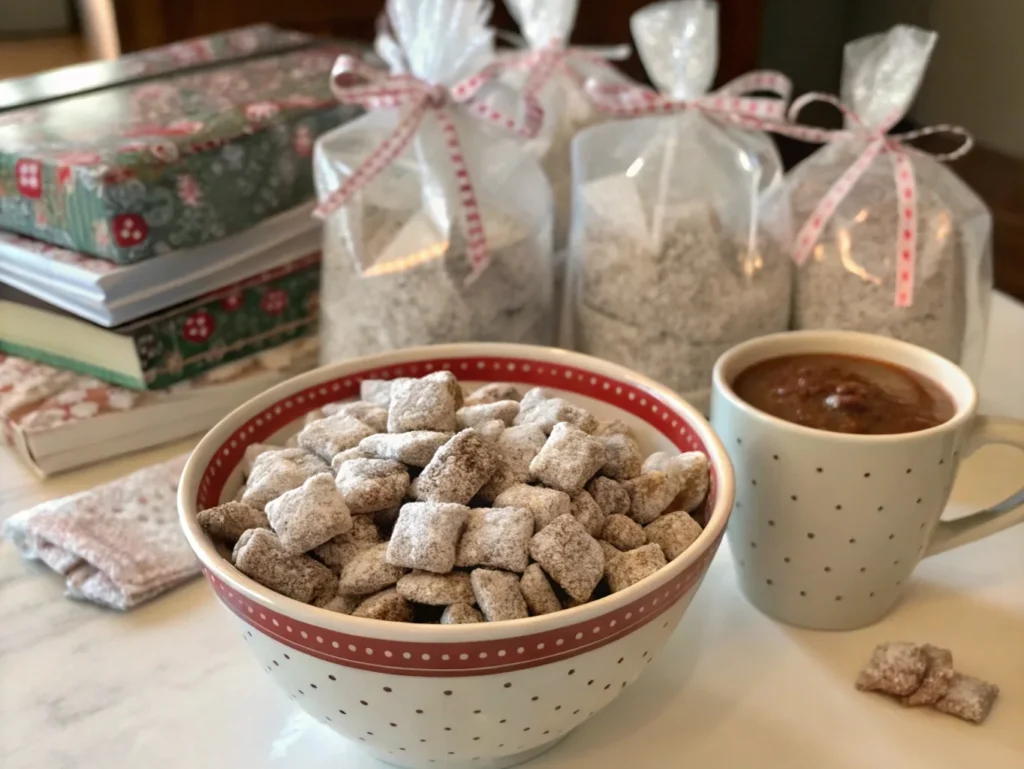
(849, 280)
(546, 26)
(680, 224)
(398, 259)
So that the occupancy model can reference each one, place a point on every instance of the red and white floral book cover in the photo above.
(41, 406)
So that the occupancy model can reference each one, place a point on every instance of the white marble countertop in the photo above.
(171, 685)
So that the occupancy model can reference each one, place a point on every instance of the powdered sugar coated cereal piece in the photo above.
(516, 448)
(491, 430)
(650, 494)
(461, 614)
(937, 677)
(673, 533)
(569, 555)
(415, 448)
(331, 435)
(585, 510)
(227, 522)
(498, 537)
(426, 536)
(690, 472)
(344, 456)
(370, 414)
(369, 572)
(312, 416)
(342, 604)
(370, 485)
(624, 458)
(531, 399)
(896, 668)
(471, 416)
(458, 470)
(630, 567)
(252, 451)
(612, 427)
(428, 403)
(609, 550)
(549, 412)
(492, 393)
(258, 555)
(387, 606)
(568, 459)
(539, 595)
(624, 533)
(275, 472)
(436, 589)
(498, 595)
(968, 698)
(545, 504)
(377, 391)
(609, 495)
(339, 551)
(307, 517)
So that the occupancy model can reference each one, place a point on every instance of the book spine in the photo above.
(229, 324)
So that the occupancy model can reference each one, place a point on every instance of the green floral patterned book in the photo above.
(133, 171)
(178, 344)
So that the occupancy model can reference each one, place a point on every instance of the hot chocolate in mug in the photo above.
(827, 527)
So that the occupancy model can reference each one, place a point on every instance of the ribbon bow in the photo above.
(353, 82)
(878, 142)
(729, 102)
(542, 63)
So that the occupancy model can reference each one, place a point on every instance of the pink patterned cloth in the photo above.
(117, 545)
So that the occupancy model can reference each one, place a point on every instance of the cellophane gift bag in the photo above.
(680, 234)
(906, 250)
(555, 75)
(437, 221)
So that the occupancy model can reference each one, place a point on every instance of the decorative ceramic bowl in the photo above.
(480, 695)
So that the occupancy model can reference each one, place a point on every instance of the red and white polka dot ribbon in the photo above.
(542, 64)
(729, 102)
(354, 82)
(878, 142)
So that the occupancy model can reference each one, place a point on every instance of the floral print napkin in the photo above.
(118, 545)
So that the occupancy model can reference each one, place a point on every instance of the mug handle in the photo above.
(950, 534)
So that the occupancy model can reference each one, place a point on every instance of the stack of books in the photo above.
(157, 250)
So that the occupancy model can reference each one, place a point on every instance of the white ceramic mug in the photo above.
(827, 527)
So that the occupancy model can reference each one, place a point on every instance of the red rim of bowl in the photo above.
(454, 650)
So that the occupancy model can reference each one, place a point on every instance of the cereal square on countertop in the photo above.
(896, 668)
(968, 698)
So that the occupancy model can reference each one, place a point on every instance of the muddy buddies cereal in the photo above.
(419, 504)
(923, 674)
